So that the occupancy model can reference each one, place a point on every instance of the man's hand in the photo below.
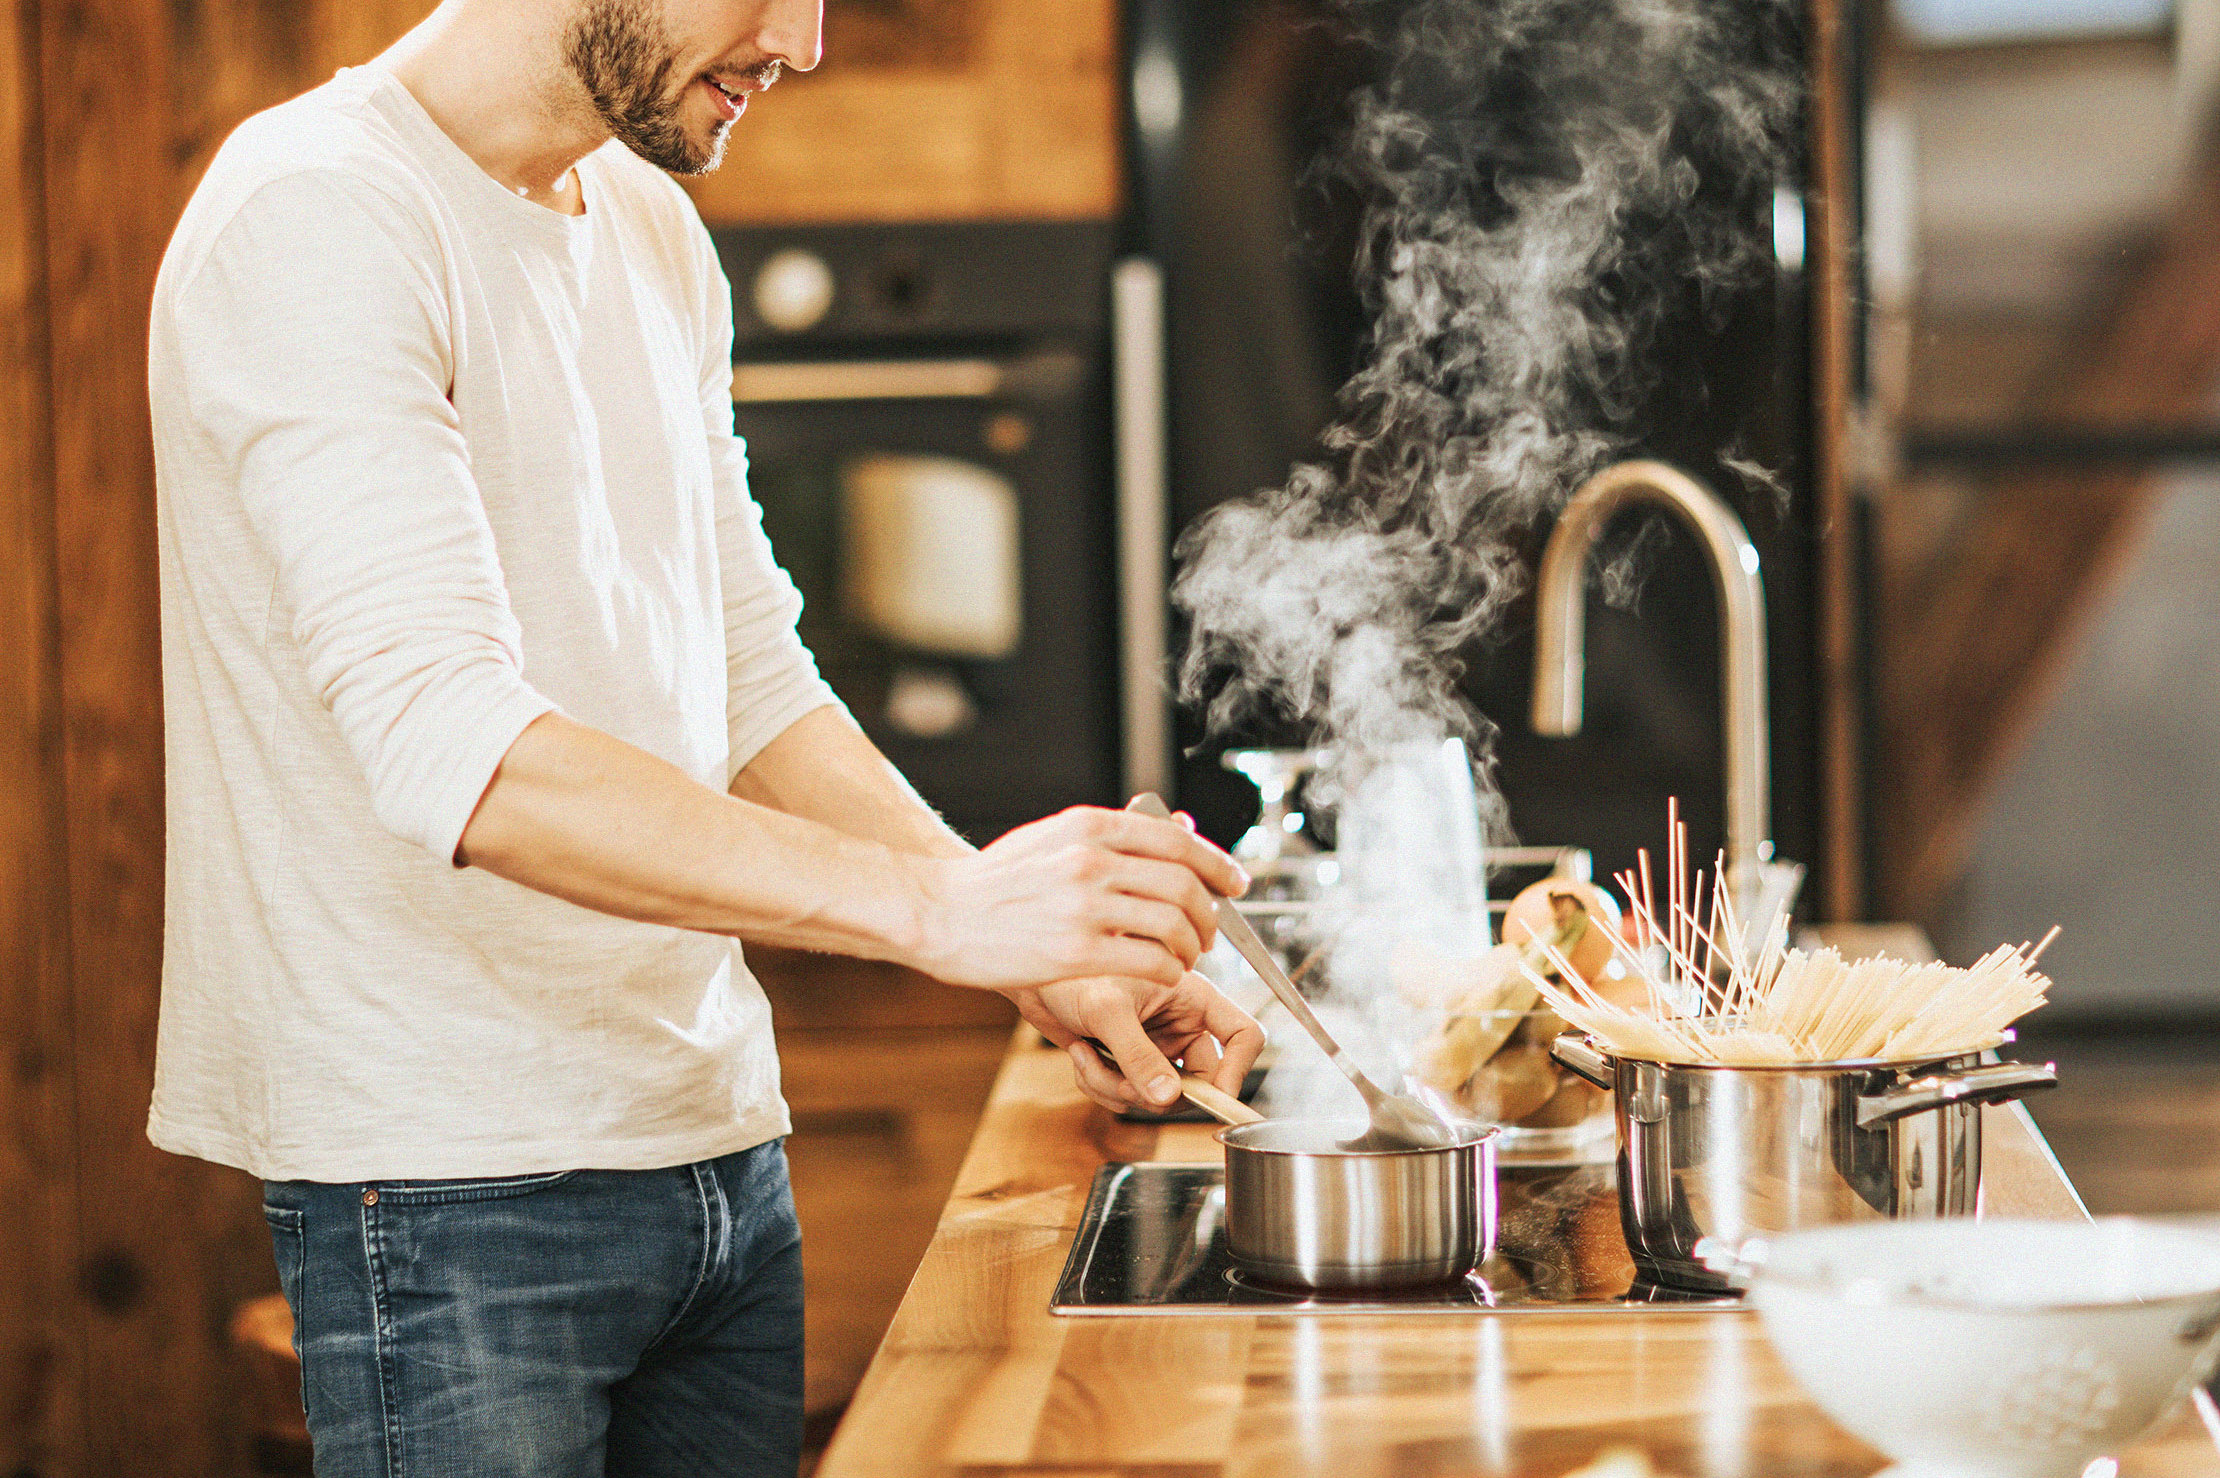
(1147, 1026)
(1084, 893)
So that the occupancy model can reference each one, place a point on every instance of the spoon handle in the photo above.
(1216, 1102)
(1199, 1091)
(1236, 928)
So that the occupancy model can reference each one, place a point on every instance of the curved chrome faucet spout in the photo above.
(1560, 632)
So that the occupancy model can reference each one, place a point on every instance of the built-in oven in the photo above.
(928, 411)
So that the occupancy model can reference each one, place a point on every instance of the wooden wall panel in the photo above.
(153, 1353)
(168, 1246)
(41, 1334)
(885, 1072)
(1016, 118)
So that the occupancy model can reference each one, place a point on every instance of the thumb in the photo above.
(1149, 1071)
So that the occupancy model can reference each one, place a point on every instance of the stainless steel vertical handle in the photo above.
(1137, 365)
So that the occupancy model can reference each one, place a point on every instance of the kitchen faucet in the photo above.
(1759, 886)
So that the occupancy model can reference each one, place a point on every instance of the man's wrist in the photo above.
(913, 936)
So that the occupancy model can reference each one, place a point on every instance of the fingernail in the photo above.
(1163, 1090)
(1241, 876)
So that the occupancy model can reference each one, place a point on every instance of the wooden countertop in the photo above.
(977, 1378)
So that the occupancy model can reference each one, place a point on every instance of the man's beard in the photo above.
(624, 60)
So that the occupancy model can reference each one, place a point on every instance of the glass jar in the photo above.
(1495, 1066)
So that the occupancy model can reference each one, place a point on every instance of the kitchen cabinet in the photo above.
(885, 1073)
(935, 110)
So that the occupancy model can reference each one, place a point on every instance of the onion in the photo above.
(1543, 909)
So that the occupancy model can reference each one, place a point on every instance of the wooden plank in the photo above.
(2020, 1176)
(169, 1246)
(1016, 119)
(882, 1119)
(347, 33)
(160, 1234)
(812, 992)
(107, 195)
(42, 1332)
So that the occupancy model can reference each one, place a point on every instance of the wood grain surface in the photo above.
(977, 1378)
(982, 110)
(113, 1334)
(155, 1351)
(42, 1348)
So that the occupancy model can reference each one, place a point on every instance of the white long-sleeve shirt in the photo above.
(432, 461)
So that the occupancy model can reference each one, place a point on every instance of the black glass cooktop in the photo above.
(1152, 1241)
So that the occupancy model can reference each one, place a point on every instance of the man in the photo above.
(489, 735)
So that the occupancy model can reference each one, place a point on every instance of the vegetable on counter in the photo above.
(1576, 916)
(1491, 1053)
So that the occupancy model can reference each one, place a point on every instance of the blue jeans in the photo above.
(629, 1323)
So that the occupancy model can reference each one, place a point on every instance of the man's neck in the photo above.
(498, 85)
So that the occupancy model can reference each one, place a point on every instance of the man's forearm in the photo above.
(586, 817)
(825, 769)
(1086, 892)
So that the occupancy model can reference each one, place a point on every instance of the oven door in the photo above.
(949, 537)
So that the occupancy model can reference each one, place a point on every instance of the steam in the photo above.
(1543, 180)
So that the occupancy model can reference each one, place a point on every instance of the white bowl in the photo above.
(1993, 1349)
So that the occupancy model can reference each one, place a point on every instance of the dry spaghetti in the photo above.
(1716, 995)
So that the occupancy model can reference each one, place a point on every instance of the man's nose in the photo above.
(794, 32)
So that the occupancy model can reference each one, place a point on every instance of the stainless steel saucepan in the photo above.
(1736, 1152)
(1303, 1210)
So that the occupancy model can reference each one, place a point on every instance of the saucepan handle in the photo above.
(1997, 1083)
(1576, 1053)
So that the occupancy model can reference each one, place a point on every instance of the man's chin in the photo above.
(674, 149)
(703, 144)
(712, 154)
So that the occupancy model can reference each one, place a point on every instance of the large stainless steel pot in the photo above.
(1738, 1152)
(1301, 1210)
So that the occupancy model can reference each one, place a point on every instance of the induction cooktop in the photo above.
(1152, 1241)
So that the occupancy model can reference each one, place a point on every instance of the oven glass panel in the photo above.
(956, 587)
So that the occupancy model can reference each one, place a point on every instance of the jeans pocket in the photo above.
(289, 1243)
(448, 1192)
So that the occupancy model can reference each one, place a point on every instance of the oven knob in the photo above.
(793, 290)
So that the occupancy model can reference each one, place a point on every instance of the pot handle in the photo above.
(1998, 1083)
(1738, 1262)
(1577, 1054)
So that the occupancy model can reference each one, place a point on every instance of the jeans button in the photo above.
(369, 1198)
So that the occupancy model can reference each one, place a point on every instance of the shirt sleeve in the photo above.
(317, 359)
(770, 677)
